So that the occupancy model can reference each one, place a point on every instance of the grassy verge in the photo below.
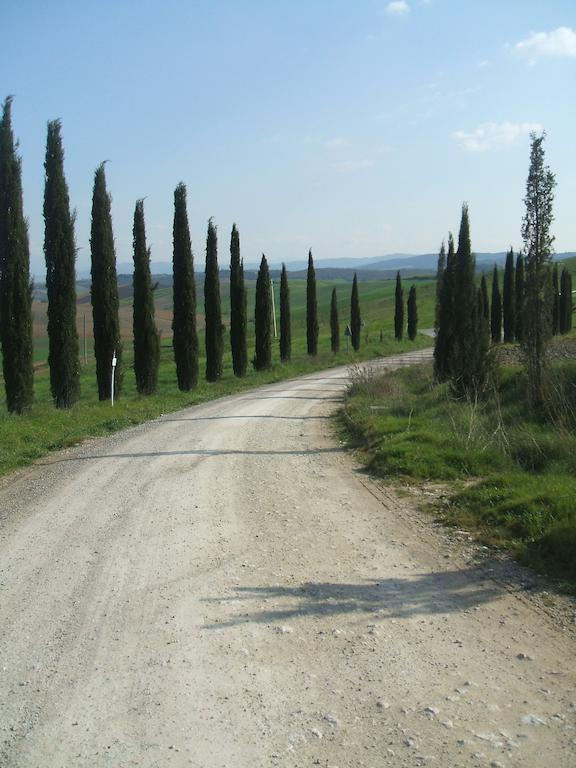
(32, 435)
(511, 470)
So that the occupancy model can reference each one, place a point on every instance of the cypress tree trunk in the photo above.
(214, 346)
(509, 299)
(238, 319)
(555, 301)
(146, 339)
(444, 340)
(334, 324)
(262, 318)
(569, 304)
(60, 254)
(355, 318)
(439, 277)
(399, 309)
(412, 314)
(15, 283)
(482, 362)
(519, 290)
(185, 337)
(496, 309)
(285, 326)
(104, 290)
(311, 309)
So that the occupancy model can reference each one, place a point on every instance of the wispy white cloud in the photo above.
(336, 143)
(489, 136)
(559, 43)
(349, 166)
(397, 8)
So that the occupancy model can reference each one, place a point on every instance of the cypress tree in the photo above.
(484, 302)
(399, 309)
(15, 283)
(60, 254)
(311, 308)
(496, 309)
(538, 243)
(146, 339)
(285, 323)
(555, 301)
(467, 369)
(412, 314)
(355, 318)
(519, 297)
(262, 318)
(238, 318)
(565, 313)
(444, 340)
(334, 324)
(482, 359)
(439, 277)
(185, 337)
(212, 309)
(509, 299)
(104, 290)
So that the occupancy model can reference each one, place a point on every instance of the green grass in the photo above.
(26, 438)
(511, 470)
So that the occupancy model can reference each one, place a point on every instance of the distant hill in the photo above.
(376, 268)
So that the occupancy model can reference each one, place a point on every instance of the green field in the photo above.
(30, 436)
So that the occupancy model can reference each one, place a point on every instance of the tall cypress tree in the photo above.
(468, 363)
(412, 308)
(238, 318)
(60, 254)
(104, 290)
(484, 301)
(538, 244)
(481, 349)
(15, 283)
(355, 318)
(262, 318)
(496, 309)
(444, 340)
(399, 309)
(555, 301)
(509, 299)
(440, 269)
(519, 297)
(146, 339)
(214, 347)
(334, 324)
(565, 313)
(311, 308)
(285, 323)
(185, 337)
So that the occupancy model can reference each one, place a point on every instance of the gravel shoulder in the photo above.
(224, 587)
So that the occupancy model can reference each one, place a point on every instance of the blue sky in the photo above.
(354, 127)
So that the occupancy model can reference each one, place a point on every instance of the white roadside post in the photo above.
(114, 361)
(273, 307)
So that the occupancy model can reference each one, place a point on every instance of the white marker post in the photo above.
(114, 361)
(273, 307)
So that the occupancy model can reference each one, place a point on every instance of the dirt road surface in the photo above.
(223, 588)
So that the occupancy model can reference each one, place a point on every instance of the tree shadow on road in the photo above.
(420, 595)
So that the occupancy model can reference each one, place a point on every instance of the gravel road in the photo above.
(223, 587)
